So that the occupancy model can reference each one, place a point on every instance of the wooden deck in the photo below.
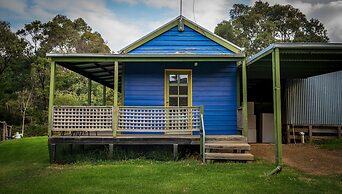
(128, 140)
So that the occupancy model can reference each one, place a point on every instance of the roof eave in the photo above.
(144, 57)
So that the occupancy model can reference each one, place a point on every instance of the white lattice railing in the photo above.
(85, 120)
(167, 120)
(82, 118)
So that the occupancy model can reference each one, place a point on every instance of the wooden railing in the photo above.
(89, 120)
(163, 120)
(78, 120)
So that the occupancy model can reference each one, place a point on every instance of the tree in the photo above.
(11, 46)
(24, 69)
(255, 27)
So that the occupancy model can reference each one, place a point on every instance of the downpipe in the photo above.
(275, 171)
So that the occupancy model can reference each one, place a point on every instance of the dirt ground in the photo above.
(305, 157)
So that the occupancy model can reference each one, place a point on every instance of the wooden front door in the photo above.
(178, 87)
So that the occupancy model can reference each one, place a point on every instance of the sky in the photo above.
(123, 21)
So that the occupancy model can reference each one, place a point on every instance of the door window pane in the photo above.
(173, 101)
(173, 90)
(183, 90)
(183, 101)
(173, 78)
(183, 79)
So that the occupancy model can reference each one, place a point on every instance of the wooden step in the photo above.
(229, 156)
(228, 145)
(225, 138)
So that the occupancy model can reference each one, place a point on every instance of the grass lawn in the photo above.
(24, 168)
(331, 144)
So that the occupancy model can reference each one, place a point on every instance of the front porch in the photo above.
(154, 124)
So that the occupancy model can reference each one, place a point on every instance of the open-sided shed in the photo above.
(283, 61)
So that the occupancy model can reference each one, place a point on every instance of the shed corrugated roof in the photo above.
(297, 60)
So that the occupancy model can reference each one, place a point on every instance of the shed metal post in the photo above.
(244, 99)
(104, 95)
(116, 88)
(89, 91)
(52, 95)
(277, 105)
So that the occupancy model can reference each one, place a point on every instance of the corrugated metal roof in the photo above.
(297, 60)
(100, 67)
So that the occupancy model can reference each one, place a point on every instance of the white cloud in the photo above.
(17, 6)
(117, 33)
(207, 13)
(97, 15)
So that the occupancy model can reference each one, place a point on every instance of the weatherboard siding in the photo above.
(174, 41)
(213, 85)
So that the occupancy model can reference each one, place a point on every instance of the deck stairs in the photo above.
(227, 147)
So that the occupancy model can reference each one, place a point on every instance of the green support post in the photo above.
(238, 88)
(277, 105)
(89, 92)
(116, 88)
(122, 84)
(52, 95)
(244, 99)
(104, 95)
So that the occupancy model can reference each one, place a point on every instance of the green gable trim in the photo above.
(190, 24)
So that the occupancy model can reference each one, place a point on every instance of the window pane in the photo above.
(183, 90)
(173, 101)
(183, 79)
(173, 90)
(173, 78)
(183, 101)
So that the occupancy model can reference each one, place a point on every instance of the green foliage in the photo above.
(11, 46)
(25, 169)
(257, 26)
(25, 69)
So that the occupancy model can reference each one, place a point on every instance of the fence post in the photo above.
(310, 133)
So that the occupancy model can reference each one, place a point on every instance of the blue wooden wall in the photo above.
(213, 85)
(173, 41)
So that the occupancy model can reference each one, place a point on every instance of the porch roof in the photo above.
(298, 60)
(100, 67)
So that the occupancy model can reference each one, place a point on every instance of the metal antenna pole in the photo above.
(181, 7)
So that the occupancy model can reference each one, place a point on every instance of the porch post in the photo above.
(104, 97)
(244, 99)
(89, 92)
(238, 88)
(116, 87)
(277, 105)
(52, 95)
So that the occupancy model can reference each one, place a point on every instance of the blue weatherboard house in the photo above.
(179, 85)
(211, 83)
